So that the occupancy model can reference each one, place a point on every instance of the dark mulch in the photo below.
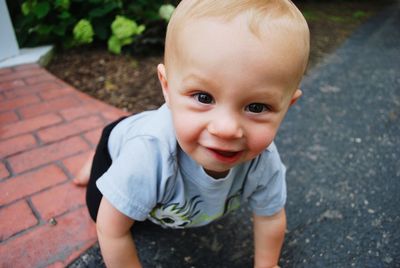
(130, 82)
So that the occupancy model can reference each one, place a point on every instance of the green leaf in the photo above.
(41, 9)
(102, 11)
(64, 15)
(140, 29)
(166, 11)
(83, 32)
(114, 45)
(43, 29)
(25, 8)
(123, 27)
(126, 41)
(62, 4)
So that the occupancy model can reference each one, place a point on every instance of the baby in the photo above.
(232, 69)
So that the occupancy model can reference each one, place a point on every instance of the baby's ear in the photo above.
(162, 77)
(296, 95)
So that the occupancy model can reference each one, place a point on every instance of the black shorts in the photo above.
(101, 163)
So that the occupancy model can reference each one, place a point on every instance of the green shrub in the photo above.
(68, 23)
(123, 31)
(83, 32)
(166, 11)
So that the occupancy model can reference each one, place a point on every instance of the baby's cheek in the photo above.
(185, 129)
(257, 144)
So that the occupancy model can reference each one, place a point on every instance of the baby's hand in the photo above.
(82, 178)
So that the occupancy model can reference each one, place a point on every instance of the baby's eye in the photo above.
(257, 108)
(204, 98)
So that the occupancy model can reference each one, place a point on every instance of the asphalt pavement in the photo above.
(341, 145)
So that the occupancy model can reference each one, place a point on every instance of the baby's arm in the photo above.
(269, 232)
(116, 242)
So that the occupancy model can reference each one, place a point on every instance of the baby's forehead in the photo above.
(260, 25)
(263, 19)
(260, 28)
(222, 52)
(240, 31)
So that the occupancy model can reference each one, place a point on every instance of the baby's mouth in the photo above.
(225, 153)
(226, 156)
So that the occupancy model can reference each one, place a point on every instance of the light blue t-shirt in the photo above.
(152, 178)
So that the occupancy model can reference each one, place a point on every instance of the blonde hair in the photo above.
(280, 14)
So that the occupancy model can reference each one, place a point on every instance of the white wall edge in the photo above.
(40, 55)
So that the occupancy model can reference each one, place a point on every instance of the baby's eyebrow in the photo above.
(193, 76)
(196, 79)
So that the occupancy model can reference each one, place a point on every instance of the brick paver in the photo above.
(11, 223)
(8, 117)
(47, 130)
(3, 171)
(16, 144)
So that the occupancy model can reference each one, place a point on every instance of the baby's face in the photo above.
(228, 92)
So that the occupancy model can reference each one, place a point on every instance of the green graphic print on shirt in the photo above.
(174, 216)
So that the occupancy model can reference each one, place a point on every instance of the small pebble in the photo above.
(388, 259)
(53, 221)
(371, 211)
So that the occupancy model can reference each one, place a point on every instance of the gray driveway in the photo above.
(342, 148)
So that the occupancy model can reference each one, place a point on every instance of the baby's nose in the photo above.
(226, 127)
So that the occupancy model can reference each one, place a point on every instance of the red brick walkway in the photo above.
(47, 130)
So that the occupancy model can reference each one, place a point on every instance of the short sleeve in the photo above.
(131, 183)
(270, 195)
